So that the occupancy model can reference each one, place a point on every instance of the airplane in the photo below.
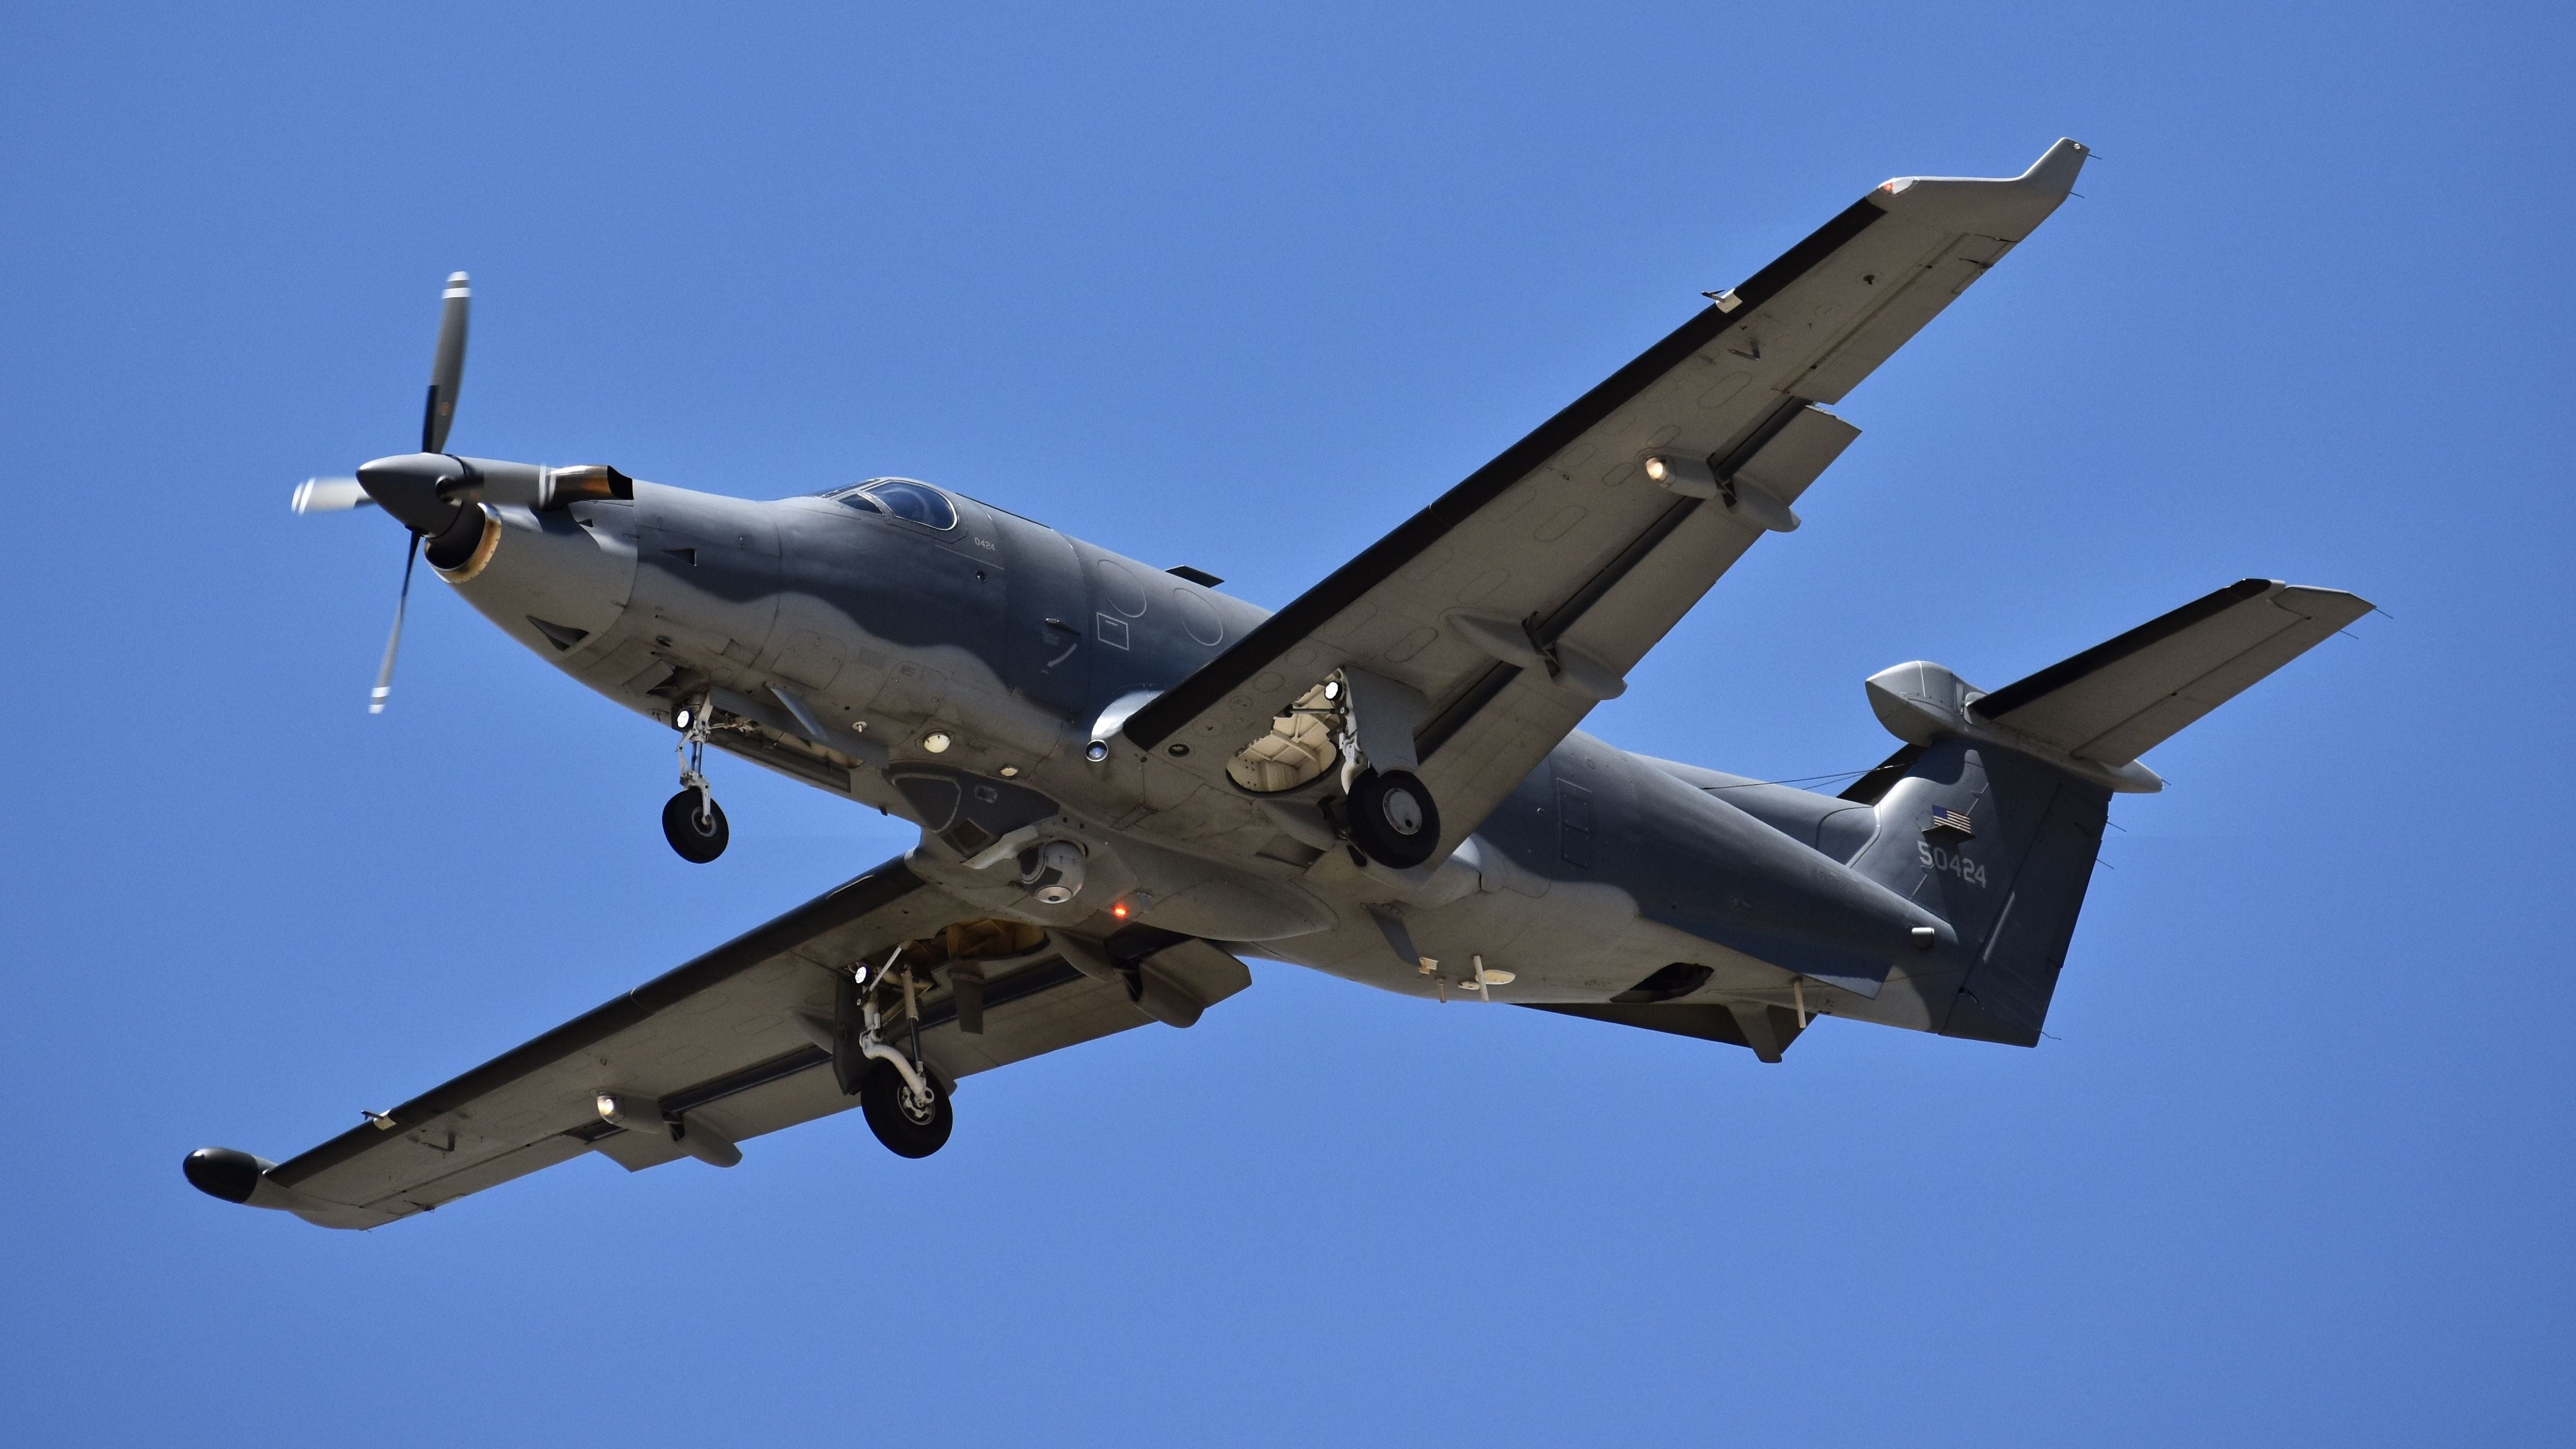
(1127, 781)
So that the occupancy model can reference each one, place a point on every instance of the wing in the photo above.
(1523, 596)
(738, 1040)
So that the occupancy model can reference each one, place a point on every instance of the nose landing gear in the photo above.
(692, 820)
(695, 824)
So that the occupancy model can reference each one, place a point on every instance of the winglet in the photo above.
(2008, 207)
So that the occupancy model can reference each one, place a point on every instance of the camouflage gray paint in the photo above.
(1603, 869)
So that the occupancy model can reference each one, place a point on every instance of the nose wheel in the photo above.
(692, 820)
(695, 824)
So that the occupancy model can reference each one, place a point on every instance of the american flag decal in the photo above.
(1954, 822)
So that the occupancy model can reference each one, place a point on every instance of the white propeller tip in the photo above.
(329, 495)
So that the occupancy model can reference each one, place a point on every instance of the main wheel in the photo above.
(698, 838)
(908, 1126)
(1392, 818)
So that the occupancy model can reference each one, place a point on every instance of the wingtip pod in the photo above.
(238, 1177)
(225, 1173)
(2009, 207)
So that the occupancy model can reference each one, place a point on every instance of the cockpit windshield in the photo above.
(905, 499)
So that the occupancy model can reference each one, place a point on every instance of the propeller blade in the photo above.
(330, 495)
(447, 368)
(393, 642)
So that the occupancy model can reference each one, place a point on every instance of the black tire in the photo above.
(896, 1119)
(1393, 820)
(697, 838)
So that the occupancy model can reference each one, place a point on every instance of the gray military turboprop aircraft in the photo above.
(1126, 780)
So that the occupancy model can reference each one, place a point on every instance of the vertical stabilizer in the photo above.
(2001, 846)
(1991, 816)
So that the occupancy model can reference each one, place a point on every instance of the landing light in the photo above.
(1690, 477)
(681, 719)
(937, 742)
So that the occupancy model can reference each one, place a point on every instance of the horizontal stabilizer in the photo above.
(2115, 701)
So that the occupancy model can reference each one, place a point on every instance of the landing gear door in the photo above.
(1383, 718)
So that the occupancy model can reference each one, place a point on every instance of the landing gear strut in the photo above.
(692, 820)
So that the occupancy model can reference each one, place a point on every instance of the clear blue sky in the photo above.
(1241, 287)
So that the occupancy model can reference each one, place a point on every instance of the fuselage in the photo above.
(949, 662)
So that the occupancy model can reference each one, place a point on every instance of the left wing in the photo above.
(736, 1041)
(1525, 594)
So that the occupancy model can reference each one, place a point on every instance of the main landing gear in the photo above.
(1392, 818)
(692, 820)
(902, 1098)
(909, 1123)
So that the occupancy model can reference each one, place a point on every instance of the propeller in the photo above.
(393, 642)
(430, 492)
(447, 365)
(330, 495)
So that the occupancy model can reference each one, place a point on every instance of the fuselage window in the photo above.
(913, 502)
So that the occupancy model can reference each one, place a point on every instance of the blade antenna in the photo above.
(393, 642)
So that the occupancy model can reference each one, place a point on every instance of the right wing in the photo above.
(736, 1040)
(1525, 594)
